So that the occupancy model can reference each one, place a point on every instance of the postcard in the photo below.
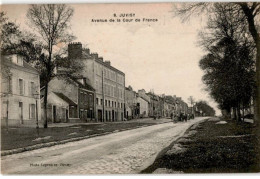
(130, 88)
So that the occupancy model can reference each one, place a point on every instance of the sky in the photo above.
(162, 55)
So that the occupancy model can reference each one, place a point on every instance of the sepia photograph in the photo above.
(130, 88)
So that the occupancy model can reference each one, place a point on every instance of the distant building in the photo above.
(131, 103)
(171, 106)
(20, 88)
(144, 101)
(182, 107)
(143, 107)
(108, 82)
(154, 106)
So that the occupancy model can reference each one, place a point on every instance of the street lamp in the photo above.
(36, 95)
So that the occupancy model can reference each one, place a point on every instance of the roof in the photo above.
(144, 99)
(65, 98)
(86, 86)
(109, 66)
(24, 67)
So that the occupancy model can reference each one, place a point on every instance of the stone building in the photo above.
(144, 101)
(130, 103)
(154, 105)
(70, 99)
(109, 83)
(20, 92)
(182, 107)
(142, 107)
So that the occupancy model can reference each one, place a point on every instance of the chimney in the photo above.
(75, 50)
(101, 58)
(87, 51)
(84, 81)
(108, 63)
(94, 55)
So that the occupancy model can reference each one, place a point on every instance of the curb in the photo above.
(50, 144)
(163, 151)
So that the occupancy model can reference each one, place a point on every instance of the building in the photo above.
(182, 107)
(75, 104)
(143, 102)
(109, 83)
(169, 106)
(131, 103)
(20, 92)
(154, 105)
(142, 107)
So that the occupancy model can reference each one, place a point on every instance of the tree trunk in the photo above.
(253, 31)
(238, 112)
(257, 90)
(235, 113)
(243, 110)
(45, 125)
(48, 78)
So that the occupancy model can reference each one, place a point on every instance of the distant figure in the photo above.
(181, 116)
(185, 117)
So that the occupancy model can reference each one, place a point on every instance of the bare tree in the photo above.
(51, 21)
(191, 101)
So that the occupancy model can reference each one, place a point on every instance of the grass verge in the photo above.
(211, 147)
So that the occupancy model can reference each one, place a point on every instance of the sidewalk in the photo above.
(214, 146)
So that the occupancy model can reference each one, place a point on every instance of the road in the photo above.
(126, 152)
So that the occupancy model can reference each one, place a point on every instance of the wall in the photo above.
(16, 116)
(143, 107)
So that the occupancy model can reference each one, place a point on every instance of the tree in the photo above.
(51, 21)
(191, 100)
(10, 34)
(205, 108)
(229, 65)
(251, 11)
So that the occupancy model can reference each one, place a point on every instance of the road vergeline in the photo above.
(119, 153)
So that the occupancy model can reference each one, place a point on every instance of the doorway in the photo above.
(54, 112)
(100, 115)
(21, 112)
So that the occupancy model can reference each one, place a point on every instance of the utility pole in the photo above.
(7, 113)
(37, 121)
(103, 96)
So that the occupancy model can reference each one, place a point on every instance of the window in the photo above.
(97, 101)
(21, 91)
(17, 59)
(32, 111)
(101, 101)
(112, 102)
(109, 103)
(105, 102)
(32, 88)
(7, 87)
(114, 91)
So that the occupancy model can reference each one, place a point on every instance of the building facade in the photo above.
(109, 83)
(154, 105)
(70, 100)
(130, 103)
(142, 107)
(20, 92)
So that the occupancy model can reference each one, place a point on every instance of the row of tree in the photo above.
(202, 106)
(232, 45)
(229, 64)
(206, 109)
